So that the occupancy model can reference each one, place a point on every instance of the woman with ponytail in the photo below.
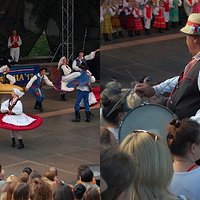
(184, 143)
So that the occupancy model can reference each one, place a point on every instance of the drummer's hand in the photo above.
(25, 89)
(143, 89)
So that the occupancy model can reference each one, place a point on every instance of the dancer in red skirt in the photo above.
(15, 120)
(137, 13)
(159, 21)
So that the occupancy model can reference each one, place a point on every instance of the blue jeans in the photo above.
(79, 96)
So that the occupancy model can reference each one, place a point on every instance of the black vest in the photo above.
(61, 71)
(5, 79)
(185, 100)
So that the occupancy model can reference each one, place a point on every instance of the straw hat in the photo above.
(193, 25)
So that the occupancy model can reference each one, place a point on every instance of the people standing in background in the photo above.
(196, 6)
(137, 14)
(106, 25)
(159, 21)
(148, 17)
(14, 43)
(130, 18)
(116, 25)
(174, 13)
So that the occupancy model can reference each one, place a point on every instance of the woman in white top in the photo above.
(65, 71)
(184, 143)
(14, 119)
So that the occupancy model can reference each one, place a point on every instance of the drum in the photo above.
(149, 117)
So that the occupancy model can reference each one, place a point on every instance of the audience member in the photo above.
(117, 174)
(184, 144)
(152, 158)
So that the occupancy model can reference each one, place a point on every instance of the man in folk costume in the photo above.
(35, 87)
(83, 86)
(184, 89)
(147, 17)
(14, 43)
(82, 59)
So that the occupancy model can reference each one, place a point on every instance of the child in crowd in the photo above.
(130, 25)
(137, 13)
(148, 11)
(159, 20)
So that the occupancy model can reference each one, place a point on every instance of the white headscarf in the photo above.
(18, 92)
(60, 63)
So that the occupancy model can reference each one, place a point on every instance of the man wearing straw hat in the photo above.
(184, 89)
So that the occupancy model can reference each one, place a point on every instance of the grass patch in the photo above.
(41, 47)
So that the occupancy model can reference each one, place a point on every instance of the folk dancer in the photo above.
(35, 87)
(14, 43)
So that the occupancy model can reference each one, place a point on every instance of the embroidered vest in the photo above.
(38, 82)
(16, 38)
(79, 62)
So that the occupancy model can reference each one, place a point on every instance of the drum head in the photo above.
(150, 117)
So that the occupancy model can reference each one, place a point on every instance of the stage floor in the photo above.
(57, 142)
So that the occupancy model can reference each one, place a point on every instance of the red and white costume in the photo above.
(14, 43)
(167, 8)
(147, 16)
(130, 18)
(13, 118)
(137, 13)
(159, 21)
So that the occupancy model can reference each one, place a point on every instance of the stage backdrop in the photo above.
(32, 18)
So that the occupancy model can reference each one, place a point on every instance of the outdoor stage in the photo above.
(57, 142)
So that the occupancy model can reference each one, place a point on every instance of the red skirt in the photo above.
(130, 23)
(31, 126)
(138, 24)
(159, 22)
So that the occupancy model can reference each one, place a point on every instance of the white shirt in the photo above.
(34, 78)
(87, 57)
(186, 183)
(169, 85)
(66, 69)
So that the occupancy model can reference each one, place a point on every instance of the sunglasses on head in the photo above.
(153, 135)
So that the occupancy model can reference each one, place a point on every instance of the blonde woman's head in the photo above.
(153, 164)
